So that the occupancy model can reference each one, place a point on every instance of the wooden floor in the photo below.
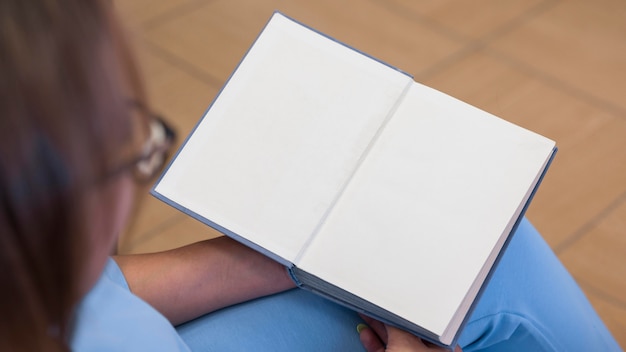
(555, 67)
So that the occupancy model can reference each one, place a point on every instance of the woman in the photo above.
(76, 138)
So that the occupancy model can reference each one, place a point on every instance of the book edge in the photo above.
(457, 333)
(221, 229)
(307, 281)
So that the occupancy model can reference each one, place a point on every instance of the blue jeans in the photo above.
(530, 304)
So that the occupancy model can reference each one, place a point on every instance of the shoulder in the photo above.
(111, 318)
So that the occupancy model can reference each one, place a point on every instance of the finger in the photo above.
(369, 339)
(434, 347)
(402, 340)
(378, 327)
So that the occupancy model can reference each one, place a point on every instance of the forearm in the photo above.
(187, 282)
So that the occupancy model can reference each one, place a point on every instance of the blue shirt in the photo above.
(530, 304)
(111, 318)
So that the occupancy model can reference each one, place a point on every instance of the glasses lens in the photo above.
(155, 150)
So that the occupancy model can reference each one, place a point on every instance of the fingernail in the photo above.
(361, 327)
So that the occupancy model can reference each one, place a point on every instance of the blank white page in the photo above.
(441, 185)
(281, 139)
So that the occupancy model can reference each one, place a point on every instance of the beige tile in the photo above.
(138, 12)
(375, 29)
(586, 176)
(590, 167)
(578, 42)
(149, 216)
(598, 257)
(216, 36)
(470, 19)
(174, 92)
(182, 99)
(185, 230)
(613, 315)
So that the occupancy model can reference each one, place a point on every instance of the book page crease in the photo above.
(363, 156)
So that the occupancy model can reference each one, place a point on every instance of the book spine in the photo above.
(359, 162)
(294, 277)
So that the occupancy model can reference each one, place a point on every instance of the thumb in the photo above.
(369, 339)
(403, 341)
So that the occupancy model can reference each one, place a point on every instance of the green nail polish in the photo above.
(361, 327)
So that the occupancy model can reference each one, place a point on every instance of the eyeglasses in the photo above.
(154, 151)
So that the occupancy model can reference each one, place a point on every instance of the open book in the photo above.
(375, 191)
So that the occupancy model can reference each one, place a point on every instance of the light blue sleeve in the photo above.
(530, 304)
(111, 318)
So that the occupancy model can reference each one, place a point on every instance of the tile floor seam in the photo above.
(445, 63)
(172, 14)
(183, 65)
(517, 21)
(587, 227)
(556, 83)
(426, 21)
(600, 293)
(154, 231)
(480, 43)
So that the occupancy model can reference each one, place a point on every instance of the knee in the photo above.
(505, 331)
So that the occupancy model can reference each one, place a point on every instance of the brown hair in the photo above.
(66, 76)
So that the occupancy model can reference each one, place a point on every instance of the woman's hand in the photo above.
(378, 335)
